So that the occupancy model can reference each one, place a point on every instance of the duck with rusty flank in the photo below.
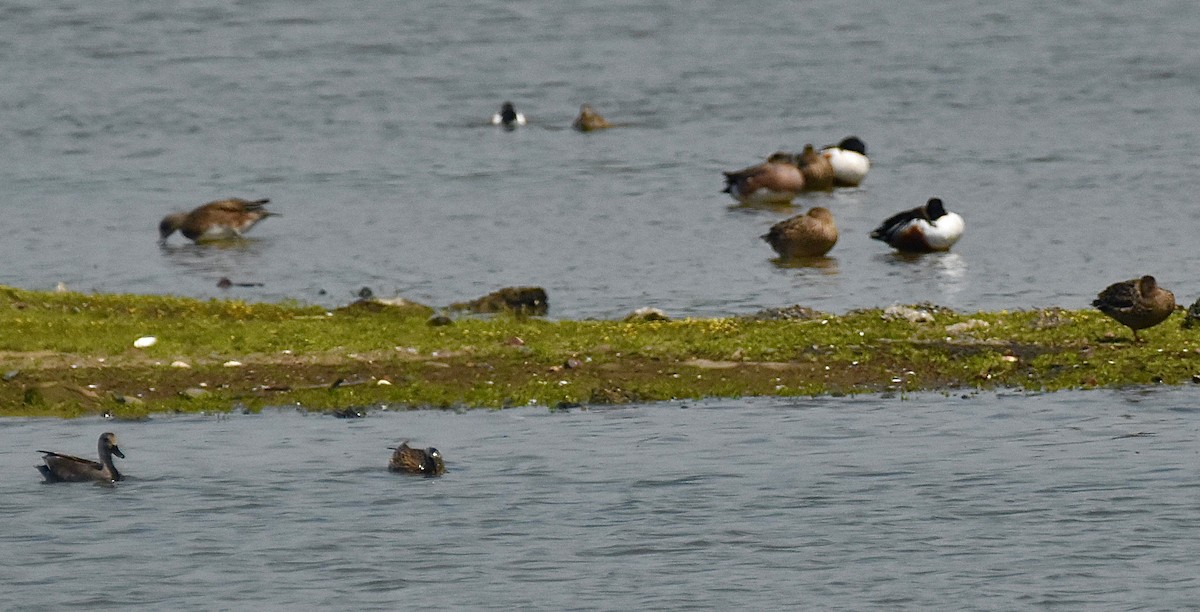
(849, 160)
(67, 468)
(1137, 303)
(924, 229)
(218, 220)
(811, 234)
(426, 462)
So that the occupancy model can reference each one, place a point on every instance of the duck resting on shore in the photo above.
(1137, 303)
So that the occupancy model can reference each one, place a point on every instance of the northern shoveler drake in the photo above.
(811, 234)
(923, 229)
(217, 220)
(410, 460)
(508, 117)
(775, 181)
(818, 172)
(589, 120)
(1137, 303)
(67, 468)
(849, 161)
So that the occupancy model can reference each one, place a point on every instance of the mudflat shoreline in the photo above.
(74, 354)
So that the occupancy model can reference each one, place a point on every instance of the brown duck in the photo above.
(809, 235)
(817, 170)
(775, 181)
(66, 468)
(410, 460)
(1137, 303)
(219, 220)
(589, 120)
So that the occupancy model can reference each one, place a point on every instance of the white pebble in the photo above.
(145, 341)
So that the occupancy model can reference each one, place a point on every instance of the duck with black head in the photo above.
(508, 117)
(426, 462)
(924, 229)
(67, 468)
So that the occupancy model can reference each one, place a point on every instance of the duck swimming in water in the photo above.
(849, 161)
(508, 117)
(812, 234)
(589, 120)
(924, 229)
(67, 468)
(427, 462)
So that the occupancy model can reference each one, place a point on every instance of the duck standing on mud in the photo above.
(1137, 303)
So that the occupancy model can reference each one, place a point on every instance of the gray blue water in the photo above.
(1063, 133)
(1084, 500)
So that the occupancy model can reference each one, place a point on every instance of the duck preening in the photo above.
(923, 229)
(427, 462)
(219, 220)
(1137, 303)
(66, 468)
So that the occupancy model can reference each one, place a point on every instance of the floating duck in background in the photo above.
(410, 460)
(924, 229)
(219, 220)
(67, 468)
(849, 161)
(775, 181)
(508, 117)
(817, 170)
(589, 120)
(1138, 303)
(811, 234)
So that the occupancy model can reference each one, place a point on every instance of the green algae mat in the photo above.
(73, 354)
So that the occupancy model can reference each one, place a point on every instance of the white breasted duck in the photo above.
(812, 234)
(849, 160)
(923, 229)
(775, 181)
(508, 117)
(219, 220)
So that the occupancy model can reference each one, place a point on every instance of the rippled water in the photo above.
(1083, 499)
(1062, 133)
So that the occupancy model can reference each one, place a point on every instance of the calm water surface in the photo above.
(1083, 499)
(1063, 134)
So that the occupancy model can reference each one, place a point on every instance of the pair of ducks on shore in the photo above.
(784, 175)
(588, 119)
(58, 467)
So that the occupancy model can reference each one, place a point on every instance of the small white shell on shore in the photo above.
(232, 364)
(383, 381)
(180, 364)
(145, 342)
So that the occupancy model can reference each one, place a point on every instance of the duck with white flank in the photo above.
(219, 220)
(1136, 303)
(849, 161)
(68, 468)
(508, 117)
(924, 229)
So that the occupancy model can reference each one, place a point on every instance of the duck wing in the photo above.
(53, 457)
(238, 205)
(897, 221)
(1118, 296)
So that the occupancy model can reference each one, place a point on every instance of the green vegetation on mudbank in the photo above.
(70, 354)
